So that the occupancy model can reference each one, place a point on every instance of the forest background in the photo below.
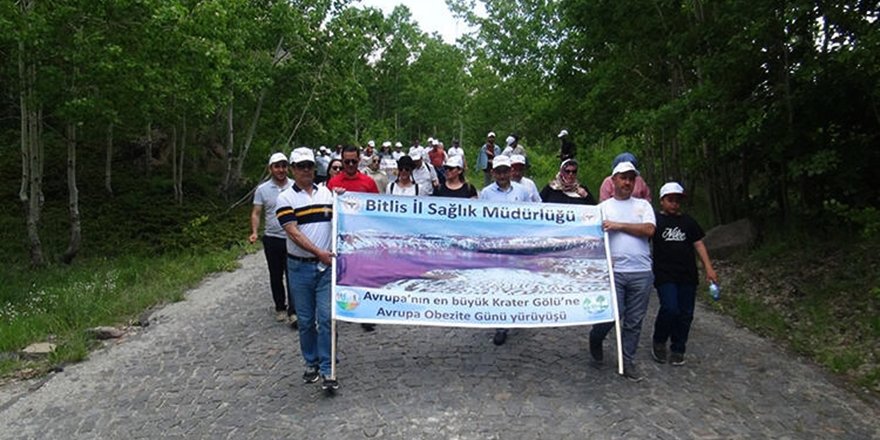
(132, 131)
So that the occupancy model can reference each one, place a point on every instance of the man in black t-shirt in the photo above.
(676, 238)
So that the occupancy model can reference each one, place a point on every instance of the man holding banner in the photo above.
(629, 222)
(305, 211)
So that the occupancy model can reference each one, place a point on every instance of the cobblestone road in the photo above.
(218, 366)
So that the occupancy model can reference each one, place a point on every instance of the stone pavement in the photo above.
(218, 366)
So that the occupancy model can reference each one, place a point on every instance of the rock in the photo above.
(38, 350)
(106, 332)
(726, 240)
(144, 318)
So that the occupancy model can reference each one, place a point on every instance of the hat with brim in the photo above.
(500, 161)
(671, 188)
(562, 133)
(302, 154)
(277, 157)
(624, 167)
(453, 162)
(517, 159)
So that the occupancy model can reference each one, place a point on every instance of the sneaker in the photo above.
(329, 384)
(596, 354)
(280, 315)
(500, 337)
(676, 359)
(368, 327)
(311, 375)
(658, 352)
(291, 320)
(632, 373)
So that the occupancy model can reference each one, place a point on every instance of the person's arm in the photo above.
(707, 263)
(645, 230)
(255, 222)
(303, 242)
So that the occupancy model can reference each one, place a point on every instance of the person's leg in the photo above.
(668, 313)
(275, 250)
(302, 288)
(600, 331)
(323, 312)
(687, 294)
(636, 296)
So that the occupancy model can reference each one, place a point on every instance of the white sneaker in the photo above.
(281, 316)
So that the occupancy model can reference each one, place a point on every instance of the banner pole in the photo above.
(333, 287)
(614, 305)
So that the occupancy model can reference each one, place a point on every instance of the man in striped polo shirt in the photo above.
(305, 211)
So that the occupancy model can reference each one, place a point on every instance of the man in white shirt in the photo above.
(629, 222)
(423, 174)
(517, 171)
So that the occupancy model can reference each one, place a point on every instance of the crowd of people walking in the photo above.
(648, 248)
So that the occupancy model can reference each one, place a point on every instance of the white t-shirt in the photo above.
(628, 252)
(456, 151)
(395, 189)
(529, 184)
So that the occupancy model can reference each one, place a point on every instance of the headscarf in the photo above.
(558, 183)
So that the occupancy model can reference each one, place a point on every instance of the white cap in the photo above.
(454, 161)
(517, 158)
(322, 148)
(398, 144)
(277, 157)
(624, 167)
(415, 153)
(430, 140)
(671, 188)
(435, 141)
(562, 133)
(510, 140)
(500, 161)
(372, 143)
(386, 144)
(302, 154)
(491, 134)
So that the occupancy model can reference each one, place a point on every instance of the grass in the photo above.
(59, 303)
(817, 295)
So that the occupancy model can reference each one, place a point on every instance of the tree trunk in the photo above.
(230, 144)
(148, 149)
(174, 159)
(252, 129)
(31, 191)
(108, 161)
(178, 185)
(75, 238)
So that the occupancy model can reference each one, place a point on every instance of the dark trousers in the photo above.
(676, 314)
(276, 257)
(633, 293)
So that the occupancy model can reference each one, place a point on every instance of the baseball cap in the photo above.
(517, 159)
(510, 140)
(371, 143)
(302, 154)
(500, 161)
(386, 144)
(624, 167)
(491, 134)
(398, 144)
(562, 133)
(671, 188)
(277, 157)
(454, 162)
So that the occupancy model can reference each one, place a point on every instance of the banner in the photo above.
(469, 263)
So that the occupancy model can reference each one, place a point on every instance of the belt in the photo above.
(303, 259)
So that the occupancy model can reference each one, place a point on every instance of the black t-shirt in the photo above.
(674, 255)
(466, 191)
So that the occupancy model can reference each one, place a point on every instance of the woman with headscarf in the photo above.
(565, 188)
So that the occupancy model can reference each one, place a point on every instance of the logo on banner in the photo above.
(347, 299)
(351, 205)
(595, 304)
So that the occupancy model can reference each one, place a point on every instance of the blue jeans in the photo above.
(633, 294)
(676, 314)
(309, 289)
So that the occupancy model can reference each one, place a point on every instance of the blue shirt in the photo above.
(515, 193)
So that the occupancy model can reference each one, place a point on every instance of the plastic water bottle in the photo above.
(714, 291)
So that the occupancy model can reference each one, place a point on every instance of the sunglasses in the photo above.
(304, 166)
(336, 168)
(350, 161)
(575, 171)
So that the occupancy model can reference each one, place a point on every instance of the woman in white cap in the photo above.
(455, 184)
